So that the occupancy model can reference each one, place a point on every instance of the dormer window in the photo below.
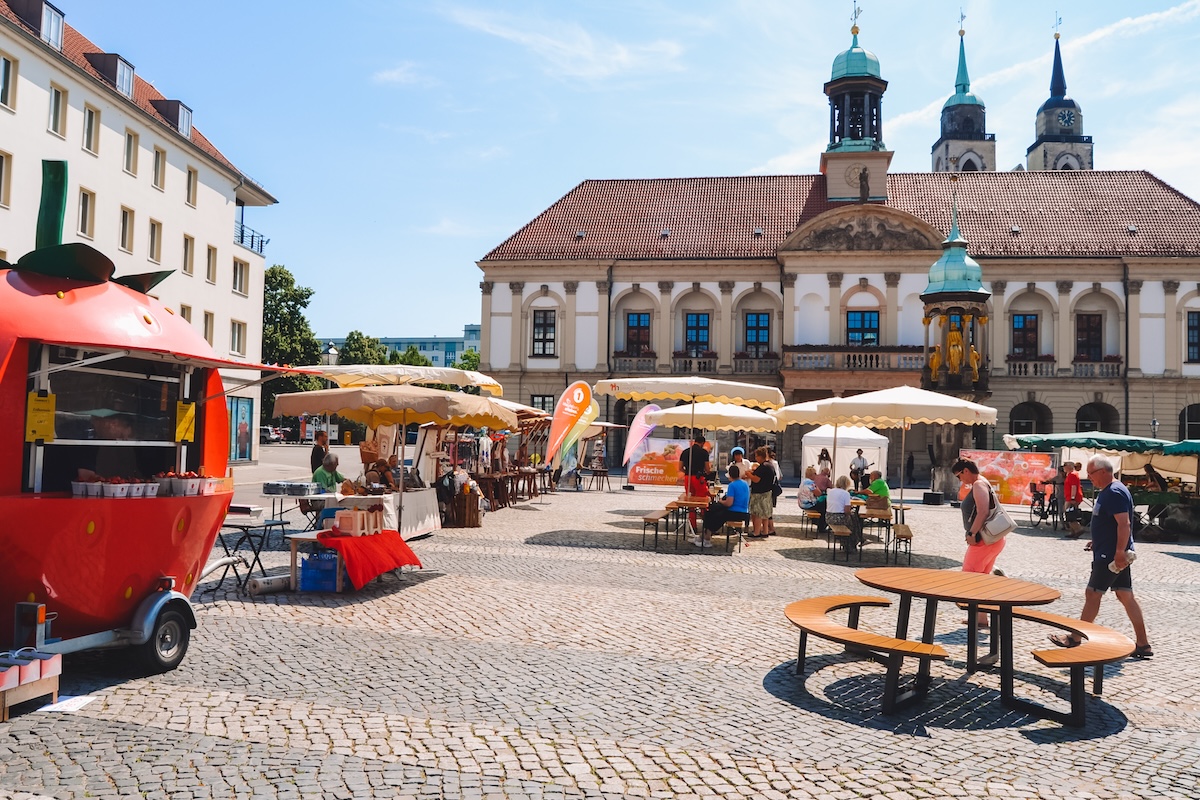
(52, 26)
(124, 78)
(185, 121)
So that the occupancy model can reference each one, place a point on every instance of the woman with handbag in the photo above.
(976, 507)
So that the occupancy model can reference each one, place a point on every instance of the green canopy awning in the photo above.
(1090, 440)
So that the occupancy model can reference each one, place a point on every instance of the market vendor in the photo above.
(385, 474)
(326, 475)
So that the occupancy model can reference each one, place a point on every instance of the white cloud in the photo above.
(569, 49)
(404, 73)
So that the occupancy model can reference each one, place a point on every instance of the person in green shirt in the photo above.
(326, 475)
(878, 485)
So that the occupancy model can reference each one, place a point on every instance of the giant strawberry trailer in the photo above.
(103, 388)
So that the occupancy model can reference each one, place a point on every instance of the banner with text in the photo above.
(657, 463)
(575, 401)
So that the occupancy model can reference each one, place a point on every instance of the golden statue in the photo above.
(974, 359)
(954, 342)
(935, 362)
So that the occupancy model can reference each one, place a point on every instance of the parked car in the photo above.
(268, 435)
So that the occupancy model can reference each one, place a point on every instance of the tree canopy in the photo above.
(362, 349)
(411, 357)
(287, 336)
(468, 360)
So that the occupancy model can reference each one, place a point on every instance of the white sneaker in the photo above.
(707, 543)
(693, 539)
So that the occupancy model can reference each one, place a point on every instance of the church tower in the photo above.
(1060, 141)
(964, 146)
(855, 163)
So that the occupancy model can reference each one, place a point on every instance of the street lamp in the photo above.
(329, 356)
(1154, 428)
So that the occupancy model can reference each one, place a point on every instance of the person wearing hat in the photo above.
(738, 456)
(858, 469)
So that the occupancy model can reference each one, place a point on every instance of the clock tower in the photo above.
(855, 163)
(1060, 141)
(965, 145)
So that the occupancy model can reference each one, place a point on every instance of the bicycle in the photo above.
(1042, 507)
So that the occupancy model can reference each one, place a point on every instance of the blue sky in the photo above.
(406, 139)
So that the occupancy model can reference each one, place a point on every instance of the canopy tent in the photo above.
(1089, 440)
(399, 405)
(714, 417)
(847, 439)
(349, 375)
(693, 389)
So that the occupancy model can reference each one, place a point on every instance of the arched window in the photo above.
(1029, 417)
(970, 166)
(1097, 417)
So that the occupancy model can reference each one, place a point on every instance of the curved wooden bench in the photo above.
(811, 617)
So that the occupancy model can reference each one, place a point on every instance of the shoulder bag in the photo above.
(998, 523)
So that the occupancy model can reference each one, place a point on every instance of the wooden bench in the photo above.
(27, 691)
(733, 527)
(901, 537)
(811, 617)
(1100, 646)
(654, 519)
(811, 519)
(842, 535)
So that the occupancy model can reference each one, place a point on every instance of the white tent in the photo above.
(850, 438)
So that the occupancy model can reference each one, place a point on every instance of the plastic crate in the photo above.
(318, 573)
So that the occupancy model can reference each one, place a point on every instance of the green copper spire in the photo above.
(955, 273)
(855, 62)
(962, 81)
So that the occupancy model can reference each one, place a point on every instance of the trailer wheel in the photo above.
(168, 644)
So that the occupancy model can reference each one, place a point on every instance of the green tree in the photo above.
(411, 357)
(468, 360)
(362, 349)
(287, 336)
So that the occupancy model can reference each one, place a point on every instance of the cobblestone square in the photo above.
(547, 655)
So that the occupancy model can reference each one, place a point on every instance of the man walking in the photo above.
(1112, 552)
(320, 448)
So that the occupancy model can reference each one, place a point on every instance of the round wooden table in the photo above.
(972, 588)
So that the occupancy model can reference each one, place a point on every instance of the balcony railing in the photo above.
(867, 359)
(755, 366)
(249, 238)
(692, 365)
(630, 364)
(1096, 369)
(1032, 369)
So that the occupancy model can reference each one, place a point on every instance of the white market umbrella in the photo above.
(902, 406)
(806, 414)
(348, 375)
(715, 416)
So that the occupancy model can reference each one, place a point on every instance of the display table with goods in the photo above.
(416, 514)
(364, 558)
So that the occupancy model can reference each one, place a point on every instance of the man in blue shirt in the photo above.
(735, 505)
(1112, 552)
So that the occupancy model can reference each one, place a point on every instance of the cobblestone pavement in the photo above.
(546, 655)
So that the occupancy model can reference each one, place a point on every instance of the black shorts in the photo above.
(1103, 579)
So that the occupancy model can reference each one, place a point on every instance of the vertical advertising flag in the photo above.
(590, 415)
(639, 429)
(575, 401)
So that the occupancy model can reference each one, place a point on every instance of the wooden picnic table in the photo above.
(971, 588)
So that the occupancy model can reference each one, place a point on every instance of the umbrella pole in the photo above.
(903, 431)
(400, 488)
(833, 458)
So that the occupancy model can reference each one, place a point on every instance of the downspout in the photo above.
(1125, 370)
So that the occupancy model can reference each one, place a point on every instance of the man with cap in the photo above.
(738, 456)
(858, 469)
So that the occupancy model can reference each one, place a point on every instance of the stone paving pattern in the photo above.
(546, 655)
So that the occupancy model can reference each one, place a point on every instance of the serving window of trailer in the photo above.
(115, 415)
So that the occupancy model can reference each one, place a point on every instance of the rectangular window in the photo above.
(210, 269)
(8, 82)
(124, 78)
(189, 254)
(1193, 336)
(695, 333)
(126, 242)
(87, 213)
(58, 111)
(91, 130)
(241, 277)
(5, 177)
(155, 253)
(160, 168)
(543, 402)
(1089, 337)
(131, 152)
(1025, 336)
(185, 312)
(543, 332)
(209, 324)
(637, 333)
(237, 338)
(758, 333)
(52, 26)
(193, 181)
(862, 328)
(185, 122)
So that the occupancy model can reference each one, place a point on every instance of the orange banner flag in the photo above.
(575, 400)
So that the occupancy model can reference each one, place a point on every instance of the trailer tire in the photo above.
(168, 642)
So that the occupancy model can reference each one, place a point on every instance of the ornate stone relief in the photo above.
(999, 287)
(1170, 287)
(516, 287)
(570, 286)
(1135, 287)
(891, 279)
(726, 287)
(1064, 287)
(486, 287)
(835, 279)
(866, 232)
(666, 286)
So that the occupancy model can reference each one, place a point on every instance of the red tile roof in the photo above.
(1060, 214)
(75, 45)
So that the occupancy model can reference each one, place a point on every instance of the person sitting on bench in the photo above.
(735, 505)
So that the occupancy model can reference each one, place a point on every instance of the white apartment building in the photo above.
(144, 186)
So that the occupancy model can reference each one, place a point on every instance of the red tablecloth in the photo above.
(367, 557)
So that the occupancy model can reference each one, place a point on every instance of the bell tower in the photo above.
(965, 145)
(856, 162)
(1060, 141)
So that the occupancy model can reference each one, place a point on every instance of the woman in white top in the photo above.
(837, 508)
(824, 461)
